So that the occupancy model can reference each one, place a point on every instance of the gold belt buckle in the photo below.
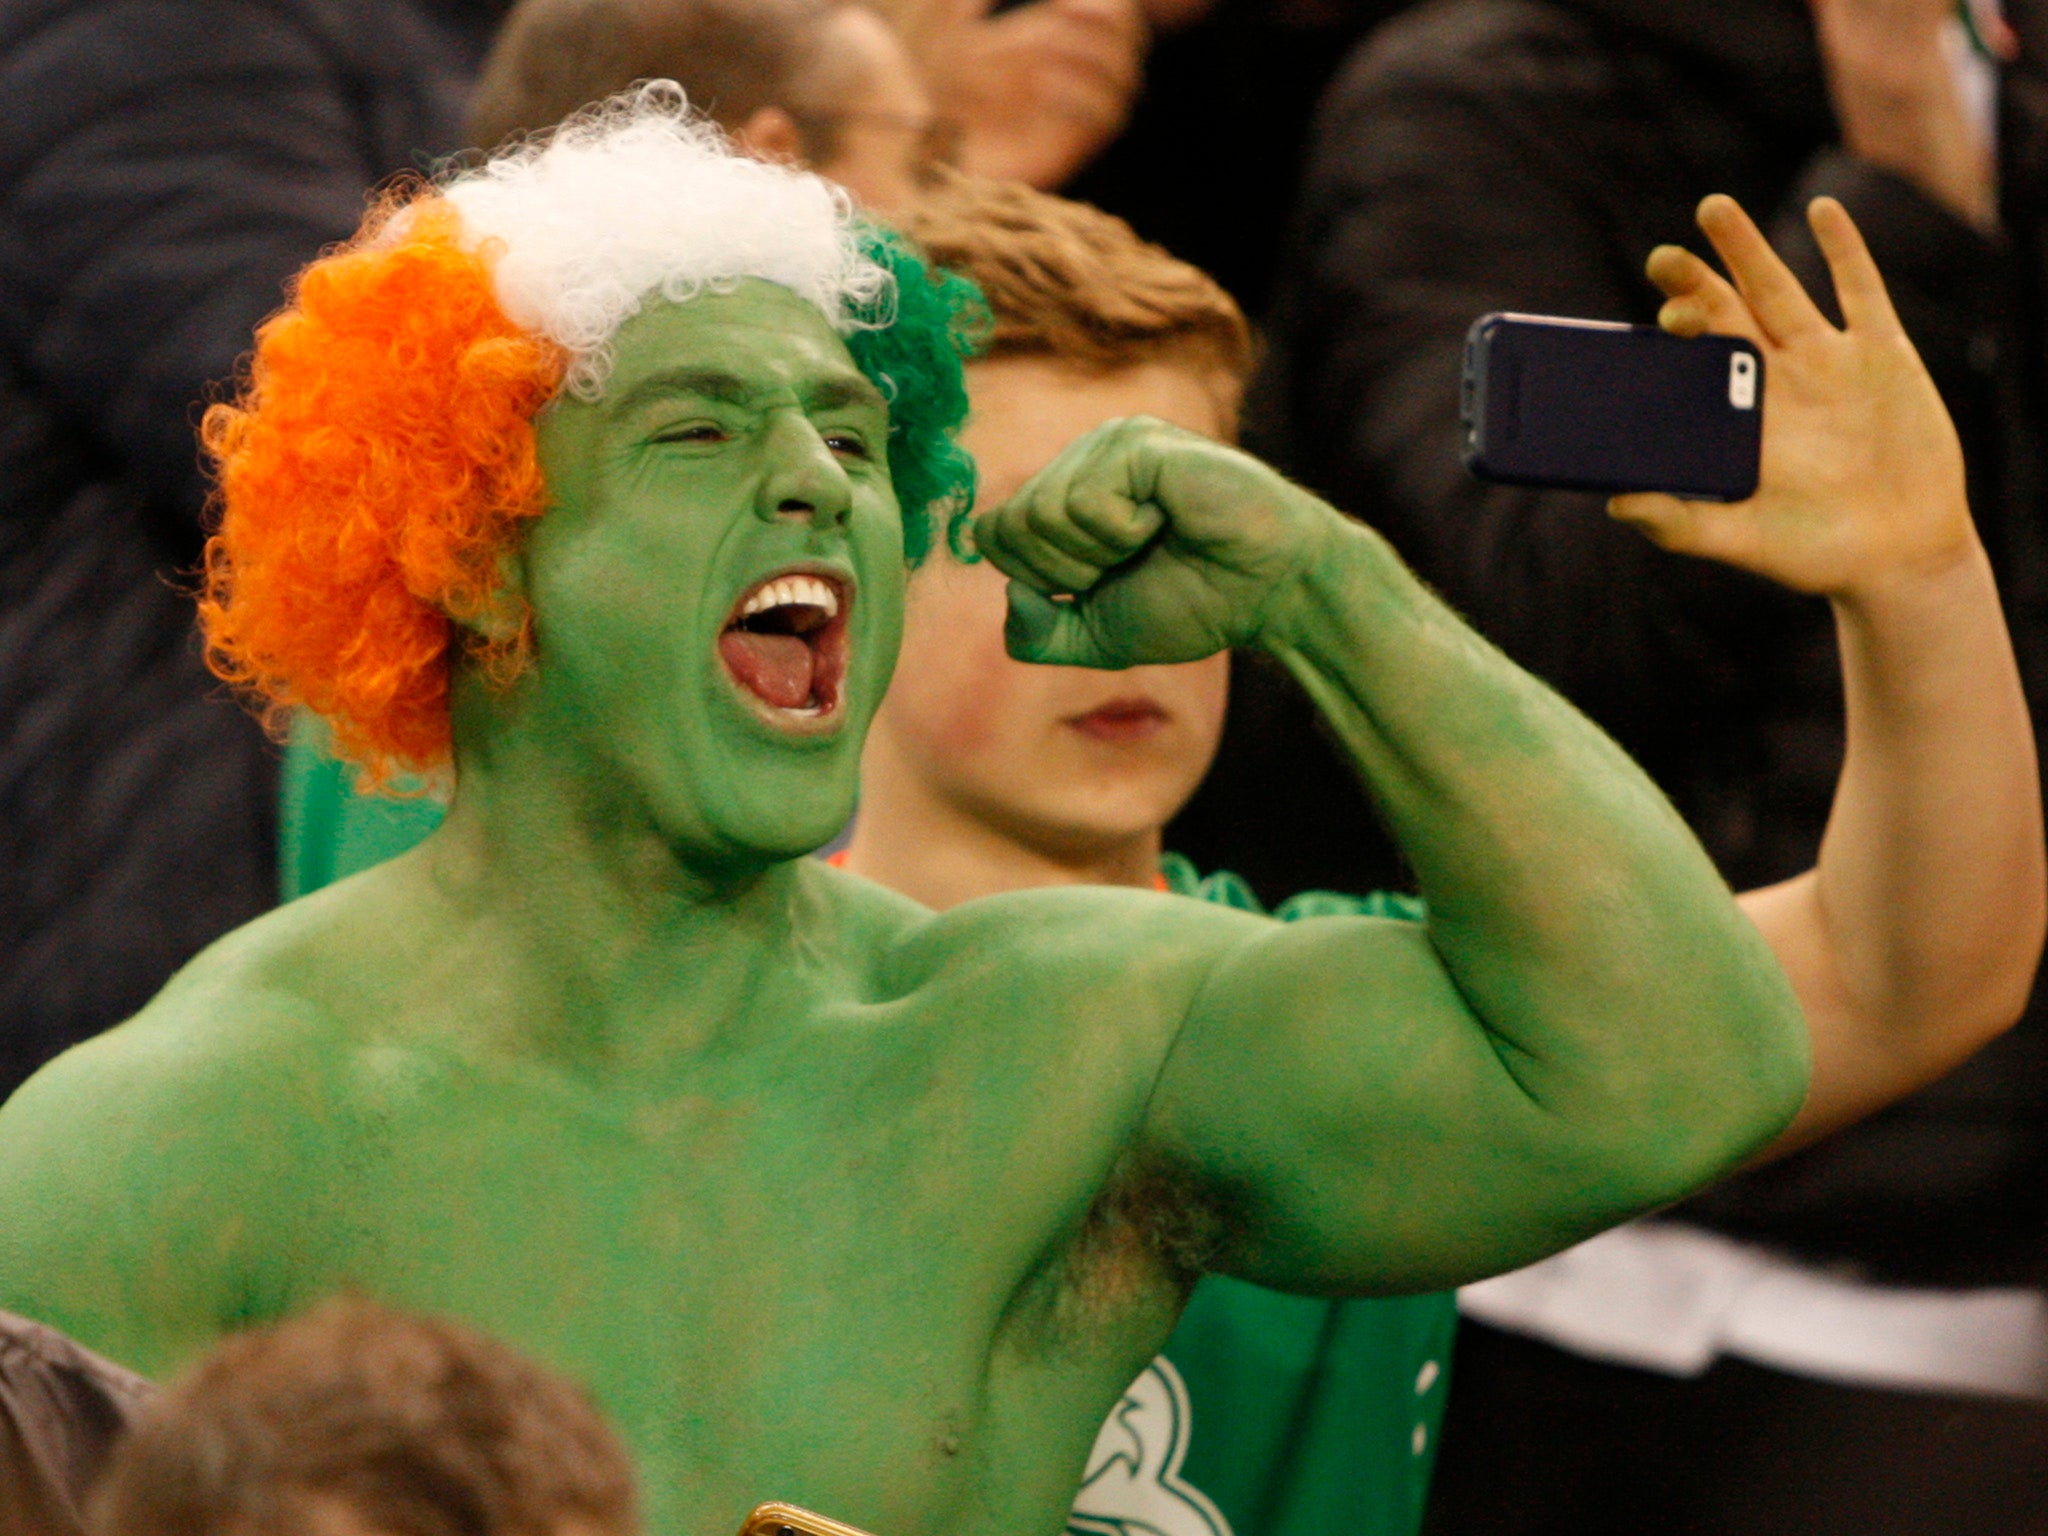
(788, 1520)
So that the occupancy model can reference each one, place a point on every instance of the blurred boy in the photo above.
(356, 1420)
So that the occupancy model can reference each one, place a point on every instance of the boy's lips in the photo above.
(785, 646)
(1121, 720)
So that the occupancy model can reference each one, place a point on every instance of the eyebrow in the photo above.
(844, 389)
(716, 384)
(712, 383)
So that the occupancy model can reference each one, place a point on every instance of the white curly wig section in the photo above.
(638, 196)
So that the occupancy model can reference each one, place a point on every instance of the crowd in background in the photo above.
(1867, 1320)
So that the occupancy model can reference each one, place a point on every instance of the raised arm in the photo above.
(1586, 1028)
(1913, 941)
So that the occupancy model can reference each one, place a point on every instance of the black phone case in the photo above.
(1592, 405)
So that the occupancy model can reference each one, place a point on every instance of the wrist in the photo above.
(1345, 573)
(1910, 591)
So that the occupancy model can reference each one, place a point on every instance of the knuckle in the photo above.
(1099, 511)
(993, 534)
(1045, 515)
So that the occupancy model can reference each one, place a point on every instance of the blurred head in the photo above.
(1091, 324)
(863, 117)
(356, 1420)
(822, 85)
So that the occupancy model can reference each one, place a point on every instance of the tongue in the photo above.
(777, 668)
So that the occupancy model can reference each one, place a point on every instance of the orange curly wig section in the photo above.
(375, 465)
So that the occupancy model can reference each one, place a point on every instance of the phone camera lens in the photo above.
(1742, 381)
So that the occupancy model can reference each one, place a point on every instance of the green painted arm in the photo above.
(1584, 1028)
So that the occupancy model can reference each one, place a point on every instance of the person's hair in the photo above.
(1071, 282)
(408, 1425)
(379, 460)
(733, 57)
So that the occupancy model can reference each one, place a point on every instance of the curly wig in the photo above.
(379, 461)
(939, 321)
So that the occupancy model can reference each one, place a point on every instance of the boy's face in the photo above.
(1062, 758)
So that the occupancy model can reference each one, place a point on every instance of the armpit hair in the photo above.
(1151, 1225)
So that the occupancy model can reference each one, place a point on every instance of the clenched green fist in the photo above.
(1143, 543)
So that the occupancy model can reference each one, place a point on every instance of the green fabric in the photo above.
(1279, 1415)
(328, 830)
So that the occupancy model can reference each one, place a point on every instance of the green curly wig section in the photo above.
(914, 355)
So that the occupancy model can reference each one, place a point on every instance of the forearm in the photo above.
(1932, 866)
(1899, 100)
(1929, 142)
(1913, 941)
(1577, 915)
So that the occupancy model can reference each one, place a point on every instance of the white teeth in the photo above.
(807, 591)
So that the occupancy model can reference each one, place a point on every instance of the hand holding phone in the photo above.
(1861, 475)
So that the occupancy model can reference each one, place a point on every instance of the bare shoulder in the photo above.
(133, 1167)
(245, 1007)
(230, 1013)
(1100, 972)
(1057, 937)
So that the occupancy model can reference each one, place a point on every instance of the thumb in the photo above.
(1708, 528)
(1041, 630)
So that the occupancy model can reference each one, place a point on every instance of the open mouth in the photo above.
(785, 644)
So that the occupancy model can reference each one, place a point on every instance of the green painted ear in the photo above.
(913, 353)
(505, 613)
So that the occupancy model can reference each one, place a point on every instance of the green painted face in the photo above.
(717, 586)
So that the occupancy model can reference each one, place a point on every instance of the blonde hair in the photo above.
(1071, 282)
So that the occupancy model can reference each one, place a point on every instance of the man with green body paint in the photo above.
(831, 1199)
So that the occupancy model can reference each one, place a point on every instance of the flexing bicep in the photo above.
(1357, 1128)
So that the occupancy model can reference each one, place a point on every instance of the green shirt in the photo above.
(1267, 1414)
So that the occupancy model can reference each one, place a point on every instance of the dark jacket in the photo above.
(1518, 155)
(165, 165)
(1209, 162)
(61, 1410)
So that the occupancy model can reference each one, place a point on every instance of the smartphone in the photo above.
(1593, 405)
(788, 1520)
